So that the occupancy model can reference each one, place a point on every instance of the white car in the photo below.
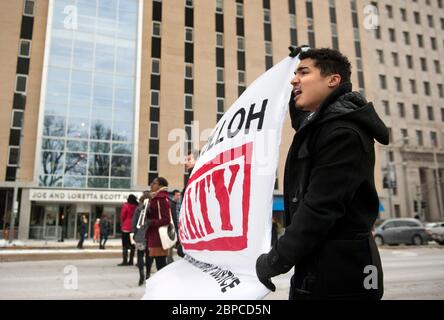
(436, 231)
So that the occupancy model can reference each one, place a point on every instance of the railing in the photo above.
(45, 232)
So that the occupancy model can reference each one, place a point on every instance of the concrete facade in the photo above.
(172, 69)
(408, 158)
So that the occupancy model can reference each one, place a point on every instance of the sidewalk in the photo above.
(54, 244)
(39, 250)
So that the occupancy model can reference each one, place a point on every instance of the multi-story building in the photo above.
(96, 93)
(406, 83)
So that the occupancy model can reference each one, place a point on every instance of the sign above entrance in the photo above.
(57, 195)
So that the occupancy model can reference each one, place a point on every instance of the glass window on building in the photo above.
(401, 109)
(403, 14)
(416, 113)
(405, 135)
(434, 138)
(188, 34)
(239, 10)
(382, 81)
(89, 103)
(25, 48)
(219, 40)
(413, 86)
(380, 56)
(155, 66)
(21, 83)
(219, 6)
(430, 113)
(14, 156)
(240, 43)
(440, 90)
(419, 138)
(188, 102)
(267, 18)
(241, 77)
(220, 75)
(386, 106)
(220, 105)
(28, 9)
(156, 29)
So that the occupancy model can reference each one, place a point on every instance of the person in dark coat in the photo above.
(83, 229)
(330, 197)
(126, 216)
(105, 230)
(175, 211)
(140, 226)
(175, 208)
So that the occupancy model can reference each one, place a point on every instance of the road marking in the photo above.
(404, 253)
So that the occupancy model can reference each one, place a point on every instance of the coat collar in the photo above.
(331, 98)
(162, 193)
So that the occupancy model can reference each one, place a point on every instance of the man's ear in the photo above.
(334, 81)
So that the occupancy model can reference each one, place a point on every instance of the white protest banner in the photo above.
(225, 218)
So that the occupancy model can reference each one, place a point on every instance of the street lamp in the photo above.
(438, 182)
(14, 213)
(391, 170)
(388, 183)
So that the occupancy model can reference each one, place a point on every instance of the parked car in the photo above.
(436, 231)
(400, 231)
(378, 222)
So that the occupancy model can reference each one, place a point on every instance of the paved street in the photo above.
(410, 273)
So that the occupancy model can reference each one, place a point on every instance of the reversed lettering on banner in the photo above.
(212, 192)
(225, 278)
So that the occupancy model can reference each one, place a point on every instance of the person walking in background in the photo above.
(105, 230)
(175, 208)
(83, 229)
(96, 231)
(159, 215)
(140, 225)
(126, 216)
(191, 159)
(175, 211)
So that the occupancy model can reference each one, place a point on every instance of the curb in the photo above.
(58, 256)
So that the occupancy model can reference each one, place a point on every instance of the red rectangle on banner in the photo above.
(198, 229)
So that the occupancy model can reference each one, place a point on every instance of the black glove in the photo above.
(269, 265)
(294, 51)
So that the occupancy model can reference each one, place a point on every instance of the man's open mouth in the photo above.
(297, 92)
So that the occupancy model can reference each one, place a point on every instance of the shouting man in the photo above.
(330, 197)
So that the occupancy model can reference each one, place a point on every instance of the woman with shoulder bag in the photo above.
(159, 215)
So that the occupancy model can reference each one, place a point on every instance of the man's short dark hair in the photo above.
(175, 191)
(329, 61)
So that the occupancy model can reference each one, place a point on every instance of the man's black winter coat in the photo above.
(331, 202)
